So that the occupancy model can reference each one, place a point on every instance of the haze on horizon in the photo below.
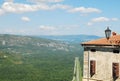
(59, 17)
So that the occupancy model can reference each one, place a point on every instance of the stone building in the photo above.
(102, 59)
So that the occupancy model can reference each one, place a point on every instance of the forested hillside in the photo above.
(24, 58)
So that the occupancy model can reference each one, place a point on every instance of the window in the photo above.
(115, 70)
(93, 50)
(115, 51)
(92, 67)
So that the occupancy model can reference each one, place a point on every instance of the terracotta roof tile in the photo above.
(114, 40)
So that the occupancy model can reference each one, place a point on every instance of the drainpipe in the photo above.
(88, 65)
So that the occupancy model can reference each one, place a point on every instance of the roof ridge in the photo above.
(113, 40)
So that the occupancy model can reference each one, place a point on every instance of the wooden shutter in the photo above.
(115, 70)
(92, 67)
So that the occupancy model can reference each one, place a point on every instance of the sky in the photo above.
(59, 17)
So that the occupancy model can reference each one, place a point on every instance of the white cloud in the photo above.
(69, 27)
(47, 28)
(8, 0)
(89, 23)
(114, 19)
(26, 19)
(1, 12)
(85, 10)
(13, 31)
(40, 1)
(21, 8)
(59, 6)
(58, 30)
(101, 19)
(43, 30)
(11, 7)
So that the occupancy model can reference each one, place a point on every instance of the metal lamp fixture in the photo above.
(107, 33)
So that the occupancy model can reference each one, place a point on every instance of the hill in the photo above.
(71, 38)
(25, 58)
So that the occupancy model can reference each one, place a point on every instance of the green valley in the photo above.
(25, 58)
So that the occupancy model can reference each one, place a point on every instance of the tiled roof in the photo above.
(113, 40)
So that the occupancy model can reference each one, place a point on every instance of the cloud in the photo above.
(41, 1)
(59, 6)
(89, 23)
(59, 30)
(84, 10)
(26, 19)
(8, 0)
(1, 12)
(47, 28)
(11, 7)
(101, 19)
(43, 30)
(22, 8)
(114, 19)
(13, 31)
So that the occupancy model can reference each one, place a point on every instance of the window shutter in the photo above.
(115, 70)
(92, 67)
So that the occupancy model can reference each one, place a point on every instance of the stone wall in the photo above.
(104, 58)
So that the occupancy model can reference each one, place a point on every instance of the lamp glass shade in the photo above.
(107, 33)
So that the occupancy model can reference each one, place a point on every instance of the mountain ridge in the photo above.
(71, 38)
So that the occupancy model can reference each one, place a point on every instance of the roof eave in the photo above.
(103, 45)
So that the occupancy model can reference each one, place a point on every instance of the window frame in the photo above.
(115, 70)
(92, 67)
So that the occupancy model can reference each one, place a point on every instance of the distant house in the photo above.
(102, 59)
